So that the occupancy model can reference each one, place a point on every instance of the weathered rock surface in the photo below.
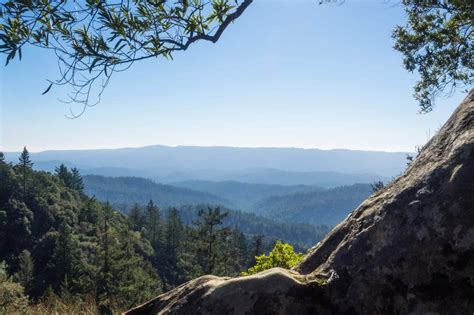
(408, 249)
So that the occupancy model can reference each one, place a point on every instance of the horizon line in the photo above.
(210, 146)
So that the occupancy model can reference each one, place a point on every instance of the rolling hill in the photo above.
(328, 207)
(129, 190)
(243, 195)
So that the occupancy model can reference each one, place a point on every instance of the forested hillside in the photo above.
(317, 207)
(301, 235)
(277, 203)
(243, 196)
(129, 190)
(61, 250)
(55, 240)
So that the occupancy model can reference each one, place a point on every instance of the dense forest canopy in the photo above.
(92, 39)
(62, 251)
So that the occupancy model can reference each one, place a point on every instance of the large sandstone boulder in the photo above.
(408, 249)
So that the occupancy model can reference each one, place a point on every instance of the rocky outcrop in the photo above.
(408, 248)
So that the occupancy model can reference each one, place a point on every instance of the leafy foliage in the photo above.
(12, 297)
(438, 43)
(56, 240)
(93, 39)
(25, 274)
(282, 255)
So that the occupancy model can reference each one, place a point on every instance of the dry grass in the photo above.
(58, 306)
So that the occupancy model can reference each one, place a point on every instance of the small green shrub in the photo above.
(282, 255)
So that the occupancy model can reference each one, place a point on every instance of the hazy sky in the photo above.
(286, 74)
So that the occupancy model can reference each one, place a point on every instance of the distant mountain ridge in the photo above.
(283, 166)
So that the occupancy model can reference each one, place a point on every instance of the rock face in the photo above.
(408, 248)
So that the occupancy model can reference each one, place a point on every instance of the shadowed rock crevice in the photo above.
(408, 248)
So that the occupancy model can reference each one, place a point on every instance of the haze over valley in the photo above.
(236, 157)
(291, 185)
(281, 166)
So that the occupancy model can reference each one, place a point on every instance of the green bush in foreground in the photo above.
(282, 255)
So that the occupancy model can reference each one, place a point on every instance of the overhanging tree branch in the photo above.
(93, 39)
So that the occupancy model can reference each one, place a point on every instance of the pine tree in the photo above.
(236, 252)
(65, 260)
(25, 272)
(64, 175)
(256, 248)
(103, 291)
(2, 157)
(174, 237)
(25, 166)
(153, 225)
(133, 280)
(174, 231)
(136, 217)
(76, 180)
(123, 277)
(210, 237)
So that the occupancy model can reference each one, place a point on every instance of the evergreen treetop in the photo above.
(24, 159)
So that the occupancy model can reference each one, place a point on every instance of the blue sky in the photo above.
(286, 74)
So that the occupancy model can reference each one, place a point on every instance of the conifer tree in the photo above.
(24, 159)
(2, 157)
(103, 295)
(210, 237)
(25, 272)
(256, 248)
(64, 175)
(236, 252)
(76, 180)
(153, 225)
(133, 280)
(174, 231)
(65, 260)
(136, 217)
(124, 277)
(25, 166)
(174, 237)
